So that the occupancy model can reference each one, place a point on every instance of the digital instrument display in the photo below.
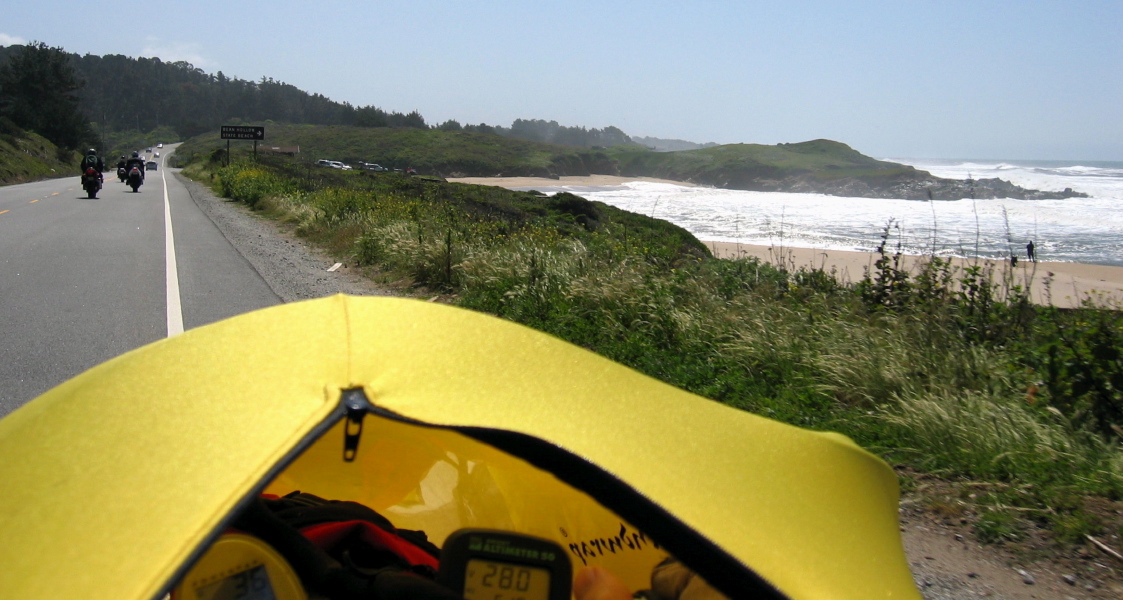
(494, 580)
(251, 584)
(240, 567)
(485, 564)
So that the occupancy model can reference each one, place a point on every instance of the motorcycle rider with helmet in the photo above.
(122, 172)
(135, 160)
(93, 161)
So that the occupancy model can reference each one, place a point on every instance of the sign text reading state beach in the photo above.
(242, 132)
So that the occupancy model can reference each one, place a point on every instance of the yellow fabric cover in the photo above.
(438, 481)
(111, 480)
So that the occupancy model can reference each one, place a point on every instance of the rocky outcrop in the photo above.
(906, 183)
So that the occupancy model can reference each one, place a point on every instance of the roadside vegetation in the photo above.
(941, 372)
(26, 156)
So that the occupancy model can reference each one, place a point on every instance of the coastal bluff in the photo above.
(815, 167)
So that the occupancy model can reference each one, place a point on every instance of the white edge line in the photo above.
(175, 308)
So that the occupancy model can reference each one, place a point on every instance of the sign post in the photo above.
(241, 132)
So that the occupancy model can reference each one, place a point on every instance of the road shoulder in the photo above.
(292, 268)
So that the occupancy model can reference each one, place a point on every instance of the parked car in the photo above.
(323, 163)
(151, 166)
(373, 167)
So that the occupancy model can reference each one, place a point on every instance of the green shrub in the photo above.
(249, 184)
(1078, 357)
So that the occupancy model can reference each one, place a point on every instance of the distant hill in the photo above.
(550, 132)
(754, 166)
(429, 151)
(669, 145)
(818, 166)
(127, 99)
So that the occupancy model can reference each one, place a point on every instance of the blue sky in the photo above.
(911, 79)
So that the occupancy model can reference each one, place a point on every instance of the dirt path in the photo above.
(949, 563)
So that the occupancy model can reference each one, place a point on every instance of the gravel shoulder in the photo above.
(949, 564)
(947, 561)
(292, 268)
(938, 527)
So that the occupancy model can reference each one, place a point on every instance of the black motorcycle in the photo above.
(136, 178)
(121, 174)
(91, 182)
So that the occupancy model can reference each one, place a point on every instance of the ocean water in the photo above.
(1086, 230)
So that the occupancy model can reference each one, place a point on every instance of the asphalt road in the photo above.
(84, 280)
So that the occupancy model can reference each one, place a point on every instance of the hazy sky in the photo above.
(1021, 79)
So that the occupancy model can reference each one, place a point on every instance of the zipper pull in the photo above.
(356, 403)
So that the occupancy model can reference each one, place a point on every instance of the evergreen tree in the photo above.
(369, 116)
(38, 89)
(414, 119)
(450, 125)
(481, 128)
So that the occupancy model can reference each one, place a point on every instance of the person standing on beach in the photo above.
(1029, 252)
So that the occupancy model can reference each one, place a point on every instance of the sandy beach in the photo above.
(1061, 284)
(1071, 283)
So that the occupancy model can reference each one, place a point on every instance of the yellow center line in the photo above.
(33, 201)
(2, 212)
(55, 194)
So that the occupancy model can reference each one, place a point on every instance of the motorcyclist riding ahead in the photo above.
(93, 161)
(137, 161)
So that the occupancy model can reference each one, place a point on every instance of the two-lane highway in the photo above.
(84, 280)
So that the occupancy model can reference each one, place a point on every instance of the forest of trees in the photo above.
(39, 92)
(119, 94)
(550, 132)
(147, 93)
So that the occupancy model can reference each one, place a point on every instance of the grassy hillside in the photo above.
(452, 154)
(429, 151)
(440, 212)
(26, 156)
(818, 166)
(755, 166)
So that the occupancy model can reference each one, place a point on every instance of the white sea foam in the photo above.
(1088, 230)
